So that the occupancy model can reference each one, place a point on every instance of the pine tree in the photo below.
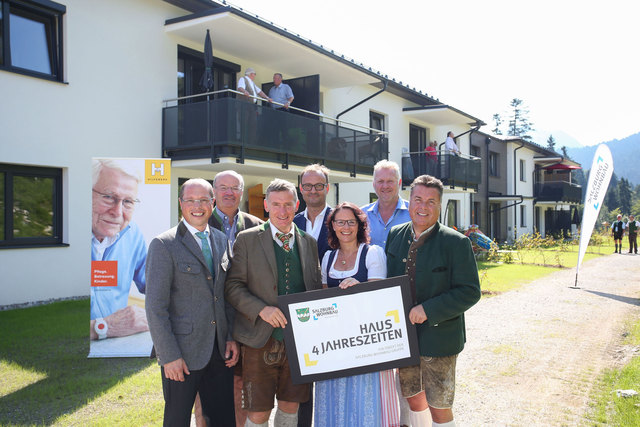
(624, 196)
(551, 143)
(498, 121)
(564, 152)
(519, 124)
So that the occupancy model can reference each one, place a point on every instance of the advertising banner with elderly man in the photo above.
(130, 206)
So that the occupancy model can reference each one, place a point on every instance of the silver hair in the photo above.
(281, 185)
(386, 164)
(233, 173)
(128, 167)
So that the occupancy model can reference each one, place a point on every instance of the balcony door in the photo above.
(191, 68)
(417, 145)
(306, 93)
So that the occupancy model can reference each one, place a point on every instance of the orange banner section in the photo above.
(104, 273)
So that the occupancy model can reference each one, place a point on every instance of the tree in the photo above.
(551, 143)
(624, 195)
(519, 124)
(564, 152)
(611, 198)
(498, 121)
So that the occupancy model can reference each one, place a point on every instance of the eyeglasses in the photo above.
(343, 222)
(196, 202)
(318, 187)
(225, 188)
(109, 201)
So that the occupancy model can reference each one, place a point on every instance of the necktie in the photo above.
(284, 238)
(206, 249)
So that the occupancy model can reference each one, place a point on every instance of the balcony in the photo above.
(557, 191)
(225, 126)
(453, 170)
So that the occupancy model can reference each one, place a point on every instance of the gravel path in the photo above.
(533, 354)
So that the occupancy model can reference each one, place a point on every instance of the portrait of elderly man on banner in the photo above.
(130, 201)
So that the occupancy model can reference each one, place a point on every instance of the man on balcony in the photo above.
(249, 112)
(280, 93)
(450, 144)
(247, 86)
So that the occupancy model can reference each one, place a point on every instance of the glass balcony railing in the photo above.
(558, 191)
(453, 170)
(225, 126)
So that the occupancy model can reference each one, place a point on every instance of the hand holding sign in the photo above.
(273, 316)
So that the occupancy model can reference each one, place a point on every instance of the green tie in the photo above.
(206, 249)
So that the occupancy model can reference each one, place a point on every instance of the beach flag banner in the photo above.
(599, 177)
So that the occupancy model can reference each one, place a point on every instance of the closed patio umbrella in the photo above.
(206, 81)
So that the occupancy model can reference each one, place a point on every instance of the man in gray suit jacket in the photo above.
(189, 321)
(273, 259)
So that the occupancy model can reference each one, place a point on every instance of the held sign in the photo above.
(341, 332)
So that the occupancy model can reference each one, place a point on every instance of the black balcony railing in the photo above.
(558, 191)
(453, 170)
(228, 126)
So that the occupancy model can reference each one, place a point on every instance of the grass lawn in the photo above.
(500, 277)
(530, 264)
(609, 409)
(46, 378)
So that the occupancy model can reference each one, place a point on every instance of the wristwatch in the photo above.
(101, 328)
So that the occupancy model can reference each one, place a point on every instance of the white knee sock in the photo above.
(405, 419)
(420, 419)
(451, 423)
(249, 423)
(282, 419)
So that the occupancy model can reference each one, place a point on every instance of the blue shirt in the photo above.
(280, 94)
(229, 230)
(130, 251)
(378, 230)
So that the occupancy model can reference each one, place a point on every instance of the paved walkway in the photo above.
(533, 354)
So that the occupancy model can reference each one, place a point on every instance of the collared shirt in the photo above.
(249, 85)
(193, 232)
(378, 230)
(229, 230)
(280, 94)
(416, 238)
(450, 145)
(99, 247)
(314, 228)
(129, 250)
(275, 230)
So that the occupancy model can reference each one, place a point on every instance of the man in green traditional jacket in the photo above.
(444, 281)
(632, 227)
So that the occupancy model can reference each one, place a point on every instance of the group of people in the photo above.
(618, 229)
(212, 284)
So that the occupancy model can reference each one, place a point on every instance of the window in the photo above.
(523, 216)
(452, 213)
(31, 206)
(31, 37)
(475, 151)
(376, 121)
(493, 164)
(477, 206)
(523, 171)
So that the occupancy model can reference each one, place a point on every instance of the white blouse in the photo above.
(376, 264)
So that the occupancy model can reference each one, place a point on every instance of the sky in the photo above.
(575, 64)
